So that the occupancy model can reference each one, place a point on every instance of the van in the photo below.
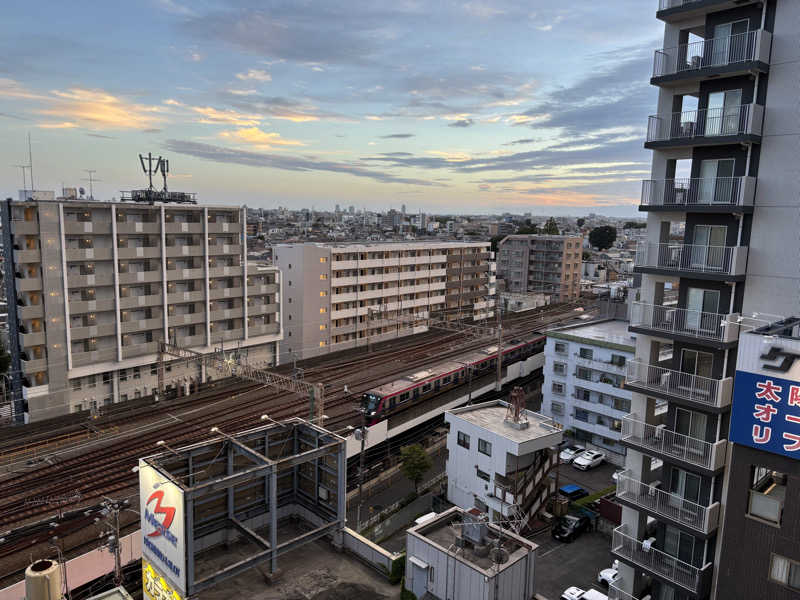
(576, 593)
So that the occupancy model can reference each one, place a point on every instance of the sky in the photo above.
(444, 106)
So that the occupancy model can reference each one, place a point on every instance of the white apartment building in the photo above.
(497, 466)
(584, 376)
(96, 287)
(340, 296)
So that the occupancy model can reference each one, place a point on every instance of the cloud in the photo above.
(100, 135)
(286, 163)
(482, 10)
(97, 109)
(58, 125)
(10, 88)
(258, 138)
(214, 116)
(175, 8)
(281, 107)
(255, 75)
(520, 142)
(462, 123)
(397, 136)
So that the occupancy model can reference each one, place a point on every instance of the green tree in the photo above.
(533, 229)
(5, 358)
(414, 463)
(603, 237)
(580, 222)
(634, 225)
(551, 227)
(496, 240)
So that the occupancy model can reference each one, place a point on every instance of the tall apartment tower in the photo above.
(549, 264)
(95, 287)
(340, 296)
(725, 147)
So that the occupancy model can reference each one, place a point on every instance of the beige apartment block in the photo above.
(340, 296)
(548, 264)
(95, 287)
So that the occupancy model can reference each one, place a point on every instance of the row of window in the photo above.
(484, 447)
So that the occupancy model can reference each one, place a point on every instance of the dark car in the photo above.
(572, 492)
(569, 527)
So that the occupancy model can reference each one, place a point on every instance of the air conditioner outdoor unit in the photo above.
(648, 544)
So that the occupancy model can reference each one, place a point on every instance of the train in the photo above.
(390, 398)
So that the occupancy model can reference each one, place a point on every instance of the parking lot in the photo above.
(560, 565)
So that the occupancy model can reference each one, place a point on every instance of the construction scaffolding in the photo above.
(237, 490)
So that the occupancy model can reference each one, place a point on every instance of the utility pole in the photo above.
(112, 508)
(361, 465)
(499, 383)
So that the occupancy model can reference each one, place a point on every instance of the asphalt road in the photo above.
(592, 481)
(560, 565)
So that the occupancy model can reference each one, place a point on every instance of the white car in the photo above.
(576, 593)
(569, 453)
(588, 459)
(610, 575)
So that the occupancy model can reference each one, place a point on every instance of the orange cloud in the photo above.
(214, 116)
(97, 109)
(61, 125)
(261, 139)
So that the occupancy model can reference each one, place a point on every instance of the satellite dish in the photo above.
(81, 191)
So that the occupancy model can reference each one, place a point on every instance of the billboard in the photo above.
(163, 526)
(766, 395)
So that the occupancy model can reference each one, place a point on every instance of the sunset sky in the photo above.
(460, 107)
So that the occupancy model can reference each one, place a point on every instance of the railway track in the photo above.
(106, 470)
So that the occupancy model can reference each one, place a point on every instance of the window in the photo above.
(92, 381)
(323, 293)
(153, 369)
(323, 310)
(123, 375)
(557, 408)
(463, 440)
(558, 388)
(618, 360)
(137, 374)
(583, 373)
(482, 475)
(785, 572)
(322, 344)
(586, 353)
(767, 493)
(323, 259)
(561, 348)
(107, 378)
(559, 368)
(76, 385)
(323, 327)
(581, 415)
(323, 276)
(622, 404)
(484, 447)
(430, 574)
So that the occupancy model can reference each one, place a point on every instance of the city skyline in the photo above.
(446, 109)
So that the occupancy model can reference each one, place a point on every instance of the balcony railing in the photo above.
(616, 591)
(703, 390)
(715, 52)
(683, 321)
(658, 440)
(698, 192)
(705, 123)
(693, 258)
(656, 561)
(672, 506)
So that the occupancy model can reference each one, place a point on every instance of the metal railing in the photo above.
(684, 321)
(696, 191)
(714, 52)
(665, 4)
(703, 390)
(660, 440)
(616, 591)
(706, 122)
(656, 561)
(694, 515)
(694, 258)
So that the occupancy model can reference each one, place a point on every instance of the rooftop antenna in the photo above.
(91, 181)
(30, 161)
(24, 179)
(148, 170)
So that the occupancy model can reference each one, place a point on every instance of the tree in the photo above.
(603, 237)
(586, 255)
(634, 225)
(533, 229)
(414, 463)
(580, 222)
(551, 227)
(496, 240)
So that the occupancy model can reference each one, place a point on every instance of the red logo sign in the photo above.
(159, 509)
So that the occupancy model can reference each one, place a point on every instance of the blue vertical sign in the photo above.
(766, 413)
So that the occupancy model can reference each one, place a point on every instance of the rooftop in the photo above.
(445, 528)
(491, 416)
(542, 236)
(610, 332)
(398, 244)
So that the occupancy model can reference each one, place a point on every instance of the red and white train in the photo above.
(390, 398)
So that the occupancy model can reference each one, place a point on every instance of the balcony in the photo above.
(184, 250)
(28, 284)
(264, 329)
(658, 441)
(137, 252)
(82, 359)
(616, 591)
(33, 311)
(73, 227)
(692, 326)
(706, 127)
(703, 519)
(84, 254)
(129, 227)
(704, 392)
(195, 228)
(727, 56)
(28, 340)
(671, 11)
(138, 277)
(664, 566)
(717, 263)
(226, 292)
(713, 195)
(221, 227)
(126, 302)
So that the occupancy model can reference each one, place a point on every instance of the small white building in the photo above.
(497, 465)
(584, 376)
(458, 555)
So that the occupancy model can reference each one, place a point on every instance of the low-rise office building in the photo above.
(341, 296)
(94, 288)
(584, 376)
(499, 465)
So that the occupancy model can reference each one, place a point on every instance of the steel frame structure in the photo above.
(235, 484)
